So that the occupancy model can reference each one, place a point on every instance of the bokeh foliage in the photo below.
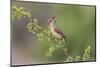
(79, 21)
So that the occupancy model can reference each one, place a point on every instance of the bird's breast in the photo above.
(55, 34)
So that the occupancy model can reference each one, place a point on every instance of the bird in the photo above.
(57, 33)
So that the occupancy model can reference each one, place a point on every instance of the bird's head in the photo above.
(52, 20)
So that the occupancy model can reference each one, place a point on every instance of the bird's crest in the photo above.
(53, 17)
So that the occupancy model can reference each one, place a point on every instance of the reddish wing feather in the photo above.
(59, 32)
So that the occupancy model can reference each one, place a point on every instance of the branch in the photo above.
(34, 27)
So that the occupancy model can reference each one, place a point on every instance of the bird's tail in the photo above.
(65, 47)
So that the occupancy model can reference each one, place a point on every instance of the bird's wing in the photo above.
(59, 32)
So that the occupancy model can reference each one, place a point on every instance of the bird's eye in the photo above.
(50, 21)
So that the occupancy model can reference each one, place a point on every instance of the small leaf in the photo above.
(69, 59)
(35, 20)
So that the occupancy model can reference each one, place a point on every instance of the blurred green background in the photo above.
(76, 21)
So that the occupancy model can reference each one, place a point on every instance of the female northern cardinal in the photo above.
(57, 33)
